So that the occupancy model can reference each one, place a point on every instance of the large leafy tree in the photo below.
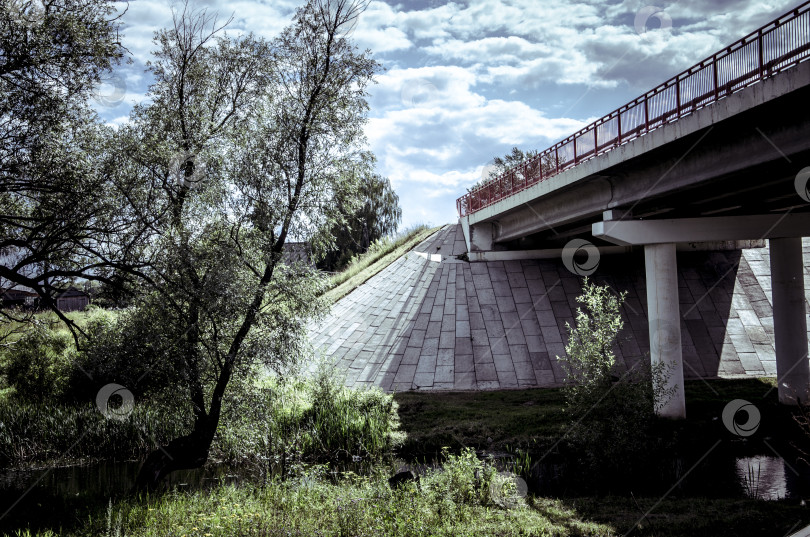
(370, 213)
(242, 145)
(54, 225)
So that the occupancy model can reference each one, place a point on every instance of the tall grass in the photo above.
(352, 506)
(44, 433)
(274, 429)
(315, 420)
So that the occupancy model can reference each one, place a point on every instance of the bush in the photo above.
(38, 364)
(44, 364)
(317, 420)
(613, 417)
(133, 349)
(464, 479)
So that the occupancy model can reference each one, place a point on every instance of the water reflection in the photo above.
(771, 478)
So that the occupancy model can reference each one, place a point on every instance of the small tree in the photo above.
(590, 363)
(612, 416)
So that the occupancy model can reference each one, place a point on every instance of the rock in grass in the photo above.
(400, 478)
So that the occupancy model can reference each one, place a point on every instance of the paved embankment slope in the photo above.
(432, 322)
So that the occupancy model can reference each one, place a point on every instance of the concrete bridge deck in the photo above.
(432, 322)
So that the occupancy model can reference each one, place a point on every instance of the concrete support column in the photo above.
(789, 323)
(665, 326)
(482, 237)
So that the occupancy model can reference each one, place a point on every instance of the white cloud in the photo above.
(381, 39)
(468, 81)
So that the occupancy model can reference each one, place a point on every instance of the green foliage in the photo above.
(270, 431)
(524, 165)
(613, 417)
(309, 420)
(590, 360)
(52, 146)
(38, 365)
(49, 432)
(44, 364)
(313, 505)
(463, 479)
(371, 214)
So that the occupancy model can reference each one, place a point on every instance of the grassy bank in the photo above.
(454, 502)
(271, 430)
(467, 498)
(306, 428)
(379, 256)
(533, 419)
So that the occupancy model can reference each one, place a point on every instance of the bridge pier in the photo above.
(665, 328)
(790, 324)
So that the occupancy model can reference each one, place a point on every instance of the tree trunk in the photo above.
(183, 453)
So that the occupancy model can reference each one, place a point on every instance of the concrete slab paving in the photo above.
(430, 321)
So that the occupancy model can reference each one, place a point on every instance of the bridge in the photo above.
(714, 159)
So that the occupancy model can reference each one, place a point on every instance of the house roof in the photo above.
(17, 294)
(71, 291)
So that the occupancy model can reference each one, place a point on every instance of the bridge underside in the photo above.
(726, 177)
(433, 322)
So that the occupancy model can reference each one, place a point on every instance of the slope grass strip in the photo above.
(381, 254)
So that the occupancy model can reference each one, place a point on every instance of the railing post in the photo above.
(759, 47)
(646, 112)
(575, 150)
(556, 160)
(678, 97)
(619, 127)
(595, 140)
(716, 78)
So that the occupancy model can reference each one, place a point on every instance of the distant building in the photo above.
(18, 298)
(72, 300)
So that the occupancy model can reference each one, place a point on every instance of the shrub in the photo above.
(288, 422)
(133, 349)
(38, 364)
(464, 479)
(612, 416)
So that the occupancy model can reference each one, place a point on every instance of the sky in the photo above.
(464, 82)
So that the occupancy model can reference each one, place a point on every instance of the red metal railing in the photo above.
(771, 49)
